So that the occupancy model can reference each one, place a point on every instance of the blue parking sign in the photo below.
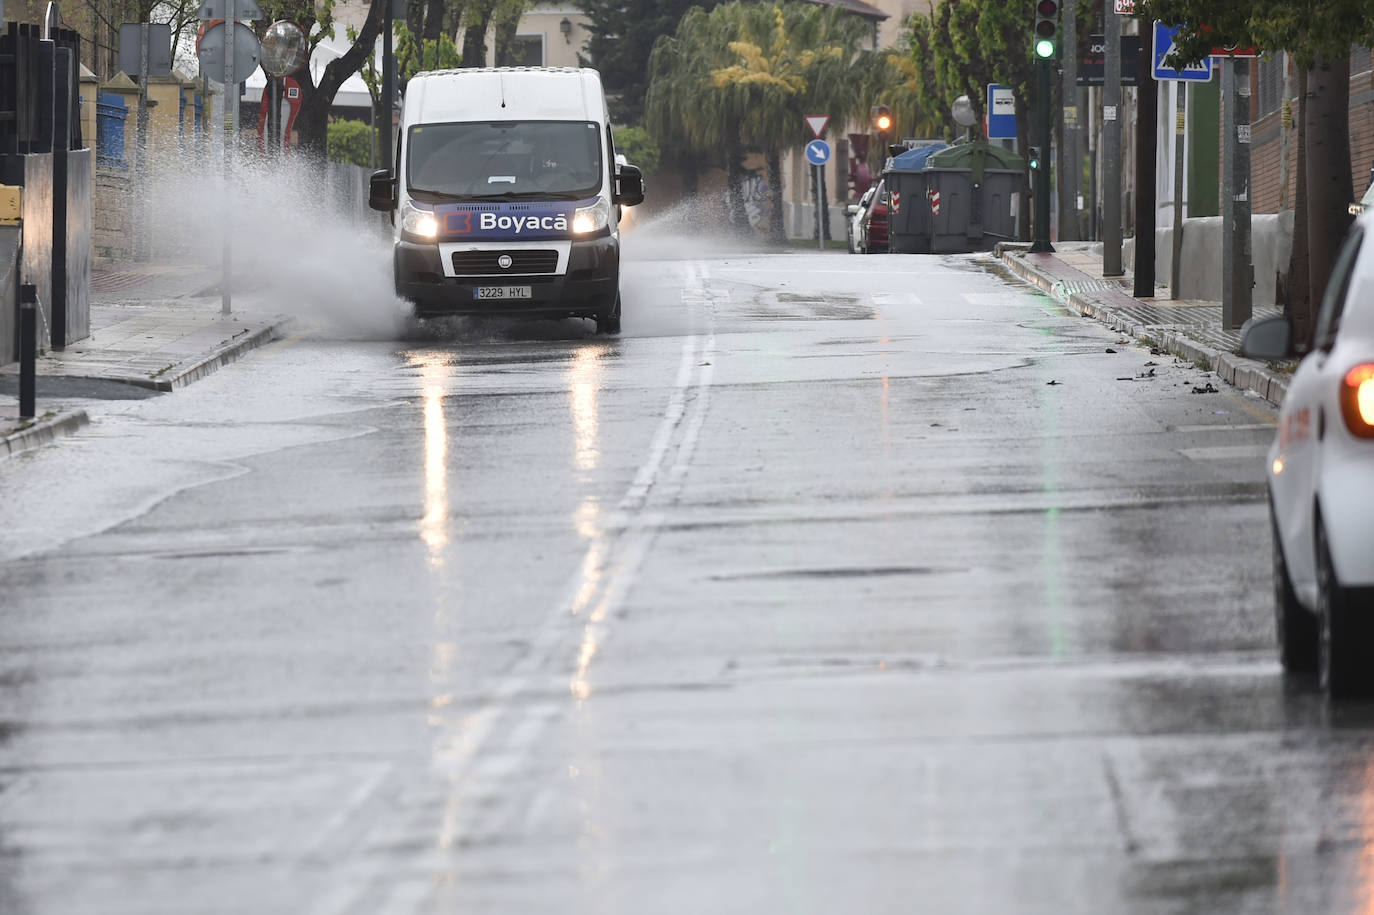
(1164, 43)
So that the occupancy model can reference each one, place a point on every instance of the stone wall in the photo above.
(113, 237)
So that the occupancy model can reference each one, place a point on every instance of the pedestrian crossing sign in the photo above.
(1163, 46)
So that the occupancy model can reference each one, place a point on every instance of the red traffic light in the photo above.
(1047, 8)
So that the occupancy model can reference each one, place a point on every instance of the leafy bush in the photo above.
(350, 141)
(638, 147)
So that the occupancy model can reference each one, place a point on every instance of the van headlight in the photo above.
(418, 223)
(594, 218)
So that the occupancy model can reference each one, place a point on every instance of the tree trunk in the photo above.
(734, 176)
(1329, 186)
(505, 40)
(475, 33)
(434, 25)
(1297, 296)
(313, 119)
(775, 228)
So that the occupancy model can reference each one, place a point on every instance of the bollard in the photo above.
(28, 347)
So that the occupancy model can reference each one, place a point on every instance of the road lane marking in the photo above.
(1219, 427)
(504, 732)
(1226, 452)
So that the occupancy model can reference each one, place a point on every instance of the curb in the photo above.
(42, 432)
(218, 359)
(1238, 371)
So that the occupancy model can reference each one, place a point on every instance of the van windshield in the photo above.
(505, 158)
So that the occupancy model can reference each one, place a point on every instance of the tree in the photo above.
(1320, 34)
(676, 113)
(350, 141)
(622, 36)
(790, 60)
(505, 20)
(316, 19)
(638, 148)
(476, 20)
(412, 56)
(963, 46)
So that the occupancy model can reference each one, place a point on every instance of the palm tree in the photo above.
(675, 109)
(744, 76)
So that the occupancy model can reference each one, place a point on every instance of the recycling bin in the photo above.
(960, 200)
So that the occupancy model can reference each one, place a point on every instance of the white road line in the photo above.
(597, 589)
(1226, 452)
(1220, 427)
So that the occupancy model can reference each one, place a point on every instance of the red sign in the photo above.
(1235, 52)
(1125, 7)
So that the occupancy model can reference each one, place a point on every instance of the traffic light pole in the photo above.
(1042, 174)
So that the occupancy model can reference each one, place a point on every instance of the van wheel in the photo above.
(610, 323)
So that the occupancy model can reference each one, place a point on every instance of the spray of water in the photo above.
(303, 242)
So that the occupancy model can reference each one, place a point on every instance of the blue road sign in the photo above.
(1001, 113)
(1164, 43)
(818, 152)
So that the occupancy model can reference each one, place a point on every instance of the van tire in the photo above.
(609, 323)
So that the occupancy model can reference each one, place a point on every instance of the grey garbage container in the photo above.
(969, 193)
(908, 220)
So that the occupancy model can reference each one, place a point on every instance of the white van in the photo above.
(506, 195)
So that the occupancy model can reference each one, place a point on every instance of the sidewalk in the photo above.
(1186, 328)
(154, 327)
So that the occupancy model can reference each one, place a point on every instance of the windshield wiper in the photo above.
(527, 195)
(418, 192)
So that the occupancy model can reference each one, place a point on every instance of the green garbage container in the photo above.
(969, 190)
(908, 215)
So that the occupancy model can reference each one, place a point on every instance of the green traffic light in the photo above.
(1044, 48)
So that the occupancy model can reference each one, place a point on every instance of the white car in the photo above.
(853, 214)
(1321, 478)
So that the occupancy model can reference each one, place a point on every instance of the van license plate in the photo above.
(503, 292)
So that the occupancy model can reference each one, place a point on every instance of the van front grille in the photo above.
(488, 263)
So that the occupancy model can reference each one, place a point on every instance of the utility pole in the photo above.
(1180, 125)
(1111, 147)
(141, 164)
(384, 139)
(1147, 128)
(1070, 160)
(231, 102)
(1237, 272)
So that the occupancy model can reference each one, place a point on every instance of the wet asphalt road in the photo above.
(835, 584)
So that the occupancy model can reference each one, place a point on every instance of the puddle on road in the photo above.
(792, 306)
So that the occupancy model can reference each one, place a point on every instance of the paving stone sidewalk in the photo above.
(154, 328)
(1187, 328)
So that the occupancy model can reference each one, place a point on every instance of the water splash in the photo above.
(303, 243)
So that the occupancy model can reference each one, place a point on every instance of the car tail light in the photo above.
(1357, 400)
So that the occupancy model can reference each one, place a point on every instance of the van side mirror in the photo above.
(630, 185)
(381, 191)
(1270, 339)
